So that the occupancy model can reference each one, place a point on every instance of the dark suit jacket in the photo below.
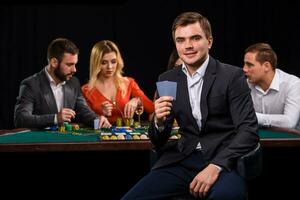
(229, 124)
(36, 105)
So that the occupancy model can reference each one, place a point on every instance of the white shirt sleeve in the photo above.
(291, 114)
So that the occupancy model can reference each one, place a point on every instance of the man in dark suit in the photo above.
(53, 96)
(214, 111)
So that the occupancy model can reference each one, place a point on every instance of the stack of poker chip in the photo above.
(68, 127)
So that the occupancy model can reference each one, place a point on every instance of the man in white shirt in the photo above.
(275, 94)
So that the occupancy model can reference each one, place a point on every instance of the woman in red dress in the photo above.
(108, 92)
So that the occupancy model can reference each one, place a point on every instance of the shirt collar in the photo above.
(275, 82)
(273, 86)
(52, 82)
(200, 71)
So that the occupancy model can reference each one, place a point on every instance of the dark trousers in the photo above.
(174, 180)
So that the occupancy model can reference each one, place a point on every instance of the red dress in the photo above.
(95, 98)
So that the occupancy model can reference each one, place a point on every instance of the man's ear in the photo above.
(210, 42)
(267, 66)
(53, 62)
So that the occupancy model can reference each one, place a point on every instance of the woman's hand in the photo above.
(103, 122)
(130, 107)
(107, 108)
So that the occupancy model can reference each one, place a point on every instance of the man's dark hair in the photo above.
(59, 46)
(265, 53)
(187, 18)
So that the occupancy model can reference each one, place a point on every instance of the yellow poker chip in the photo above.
(136, 137)
(105, 137)
(113, 137)
(62, 129)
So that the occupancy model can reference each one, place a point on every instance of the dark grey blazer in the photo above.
(229, 124)
(36, 105)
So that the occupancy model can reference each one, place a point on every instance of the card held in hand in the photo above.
(167, 88)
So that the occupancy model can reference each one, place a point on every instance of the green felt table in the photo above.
(271, 134)
(41, 136)
(88, 139)
(49, 136)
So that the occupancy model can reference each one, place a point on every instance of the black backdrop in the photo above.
(142, 29)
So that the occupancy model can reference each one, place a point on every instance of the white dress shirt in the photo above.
(280, 105)
(58, 93)
(195, 82)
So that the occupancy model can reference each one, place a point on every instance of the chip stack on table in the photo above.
(62, 129)
(68, 127)
(119, 122)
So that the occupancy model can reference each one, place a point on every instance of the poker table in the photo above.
(24, 140)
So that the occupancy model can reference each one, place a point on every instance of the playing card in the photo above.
(167, 88)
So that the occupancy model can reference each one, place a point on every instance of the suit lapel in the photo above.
(183, 91)
(184, 99)
(208, 80)
(47, 92)
(68, 95)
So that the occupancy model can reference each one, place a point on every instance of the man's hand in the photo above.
(162, 108)
(204, 180)
(103, 122)
(65, 115)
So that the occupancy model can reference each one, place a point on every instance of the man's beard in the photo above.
(59, 74)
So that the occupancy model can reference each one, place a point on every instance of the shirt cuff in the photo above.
(262, 120)
(159, 128)
(218, 167)
(55, 119)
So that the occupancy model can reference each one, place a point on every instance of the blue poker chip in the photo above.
(128, 137)
(53, 128)
(118, 130)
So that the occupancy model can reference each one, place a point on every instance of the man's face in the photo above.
(66, 68)
(109, 65)
(192, 44)
(254, 71)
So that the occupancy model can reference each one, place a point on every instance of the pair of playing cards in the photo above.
(167, 88)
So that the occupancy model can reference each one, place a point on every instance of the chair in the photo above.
(249, 166)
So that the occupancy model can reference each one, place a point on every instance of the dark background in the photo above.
(142, 29)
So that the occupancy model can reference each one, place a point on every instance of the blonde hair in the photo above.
(99, 50)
